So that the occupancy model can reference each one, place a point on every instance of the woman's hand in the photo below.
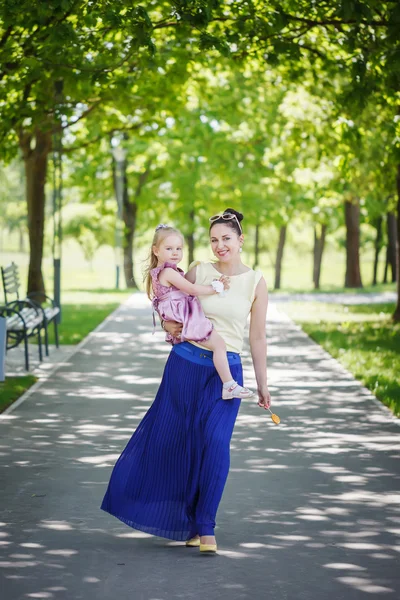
(264, 397)
(174, 328)
(226, 281)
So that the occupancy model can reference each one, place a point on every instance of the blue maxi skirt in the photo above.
(169, 479)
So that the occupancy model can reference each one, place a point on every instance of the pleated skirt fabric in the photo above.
(170, 477)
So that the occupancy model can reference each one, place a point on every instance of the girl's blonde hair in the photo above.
(161, 232)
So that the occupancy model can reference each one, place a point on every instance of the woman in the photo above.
(169, 479)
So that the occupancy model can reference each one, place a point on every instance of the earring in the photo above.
(240, 249)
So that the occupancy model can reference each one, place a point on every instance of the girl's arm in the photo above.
(258, 342)
(172, 277)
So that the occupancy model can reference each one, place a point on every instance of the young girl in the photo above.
(173, 297)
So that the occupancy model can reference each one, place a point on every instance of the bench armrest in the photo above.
(33, 294)
(7, 310)
(27, 302)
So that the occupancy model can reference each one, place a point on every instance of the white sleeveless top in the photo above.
(228, 314)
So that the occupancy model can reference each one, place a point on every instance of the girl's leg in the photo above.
(220, 360)
(231, 389)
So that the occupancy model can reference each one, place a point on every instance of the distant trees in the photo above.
(287, 110)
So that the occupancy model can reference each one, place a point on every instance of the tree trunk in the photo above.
(396, 315)
(378, 246)
(256, 246)
(35, 160)
(279, 257)
(21, 240)
(352, 218)
(319, 245)
(190, 239)
(129, 216)
(391, 251)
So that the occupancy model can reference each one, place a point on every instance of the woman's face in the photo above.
(225, 242)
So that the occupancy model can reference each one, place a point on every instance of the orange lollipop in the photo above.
(274, 417)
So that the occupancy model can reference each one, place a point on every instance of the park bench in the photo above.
(26, 317)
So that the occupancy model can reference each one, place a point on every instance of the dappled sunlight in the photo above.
(320, 492)
(365, 585)
(235, 554)
(134, 535)
(102, 460)
(59, 525)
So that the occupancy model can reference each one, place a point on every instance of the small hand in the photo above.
(264, 397)
(226, 281)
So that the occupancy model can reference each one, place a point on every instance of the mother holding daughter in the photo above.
(170, 478)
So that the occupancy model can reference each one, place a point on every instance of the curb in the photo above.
(77, 348)
(366, 392)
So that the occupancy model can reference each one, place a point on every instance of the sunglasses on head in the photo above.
(225, 217)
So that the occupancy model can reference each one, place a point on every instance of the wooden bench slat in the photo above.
(51, 312)
(12, 275)
(11, 284)
(12, 320)
(25, 312)
(10, 269)
(8, 278)
(17, 325)
(28, 312)
(31, 317)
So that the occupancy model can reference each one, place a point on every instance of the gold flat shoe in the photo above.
(193, 542)
(208, 547)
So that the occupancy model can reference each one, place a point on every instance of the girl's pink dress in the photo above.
(174, 305)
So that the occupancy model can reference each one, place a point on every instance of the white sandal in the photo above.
(236, 391)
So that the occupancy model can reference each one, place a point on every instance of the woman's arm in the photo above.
(258, 342)
(172, 277)
(191, 275)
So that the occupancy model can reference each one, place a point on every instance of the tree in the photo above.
(77, 50)
(12, 206)
(391, 254)
(102, 55)
(92, 173)
(90, 228)
(359, 40)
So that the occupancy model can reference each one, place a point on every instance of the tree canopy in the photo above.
(288, 108)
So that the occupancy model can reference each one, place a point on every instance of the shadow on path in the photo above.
(311, 509)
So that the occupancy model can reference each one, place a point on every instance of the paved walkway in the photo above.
(335, 298)
(311, 510)
(15, 360)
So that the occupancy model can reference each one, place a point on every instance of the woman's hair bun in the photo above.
(232, 211)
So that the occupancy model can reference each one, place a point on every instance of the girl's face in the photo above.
(225, 242)
(170, 249)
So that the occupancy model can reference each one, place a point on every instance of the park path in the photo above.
(311, 510)
(335, 297)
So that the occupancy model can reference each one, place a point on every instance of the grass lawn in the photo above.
(336, 289)
(13, 388)
(362, 337)
(82, 312)
(78, 274)
(78, 320)
(88, 295)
